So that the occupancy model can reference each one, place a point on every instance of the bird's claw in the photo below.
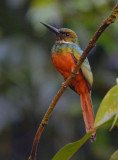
(63, 85)
(74, 73)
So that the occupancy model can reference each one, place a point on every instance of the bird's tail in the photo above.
(88, 114)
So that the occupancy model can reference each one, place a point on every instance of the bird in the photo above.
(65, 54)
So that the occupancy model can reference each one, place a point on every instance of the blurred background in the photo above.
(29, 81)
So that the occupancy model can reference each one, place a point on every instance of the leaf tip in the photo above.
(117, 81)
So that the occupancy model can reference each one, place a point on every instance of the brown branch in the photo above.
(111, 19)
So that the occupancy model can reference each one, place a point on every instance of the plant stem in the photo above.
(111, 19)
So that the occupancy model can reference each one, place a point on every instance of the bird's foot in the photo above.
(63, 85)
(74, 73)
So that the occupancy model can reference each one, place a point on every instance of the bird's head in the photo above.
(63, 34)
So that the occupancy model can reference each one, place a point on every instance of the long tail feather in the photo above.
(88, 114)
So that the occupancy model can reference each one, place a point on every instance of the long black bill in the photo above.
(55, 30)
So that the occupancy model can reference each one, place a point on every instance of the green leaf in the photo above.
(68, 150)
(108, 108)
(114, 156)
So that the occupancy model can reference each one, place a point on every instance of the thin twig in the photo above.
(111, 19)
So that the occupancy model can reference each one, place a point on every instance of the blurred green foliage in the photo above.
(28, 80)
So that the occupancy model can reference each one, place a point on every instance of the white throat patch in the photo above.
(62, 41)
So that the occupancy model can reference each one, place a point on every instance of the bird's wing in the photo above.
(85, 67)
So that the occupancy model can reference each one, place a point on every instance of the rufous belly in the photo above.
(65, 65)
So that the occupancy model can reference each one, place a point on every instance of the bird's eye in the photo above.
(67, 34)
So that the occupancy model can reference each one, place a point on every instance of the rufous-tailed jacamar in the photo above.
(65, 54)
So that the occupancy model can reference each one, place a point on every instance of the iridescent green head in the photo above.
(63, 34)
